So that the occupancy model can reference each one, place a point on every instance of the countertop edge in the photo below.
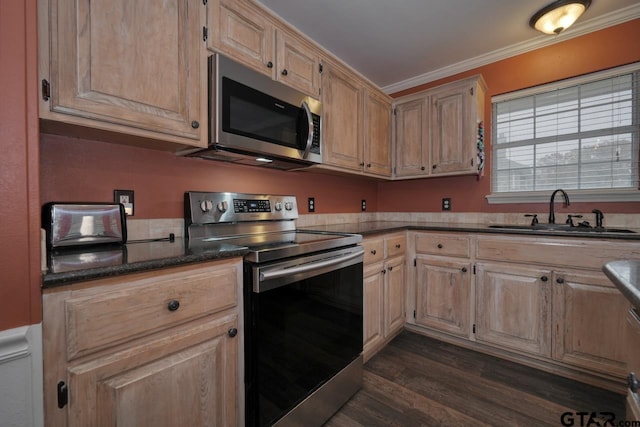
(624, 274)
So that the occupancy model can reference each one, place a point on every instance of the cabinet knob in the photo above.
(373, 252)
(544, 278)
(232, 332)
(173, 305)
(440, 246)
(464, 269)
(398, 246)
(560, 280)
(285, 72)
(384, 272)
(434, 166)
(269, 64)
(390, 268)
(368, 165)
(422, 168)
(361, 164)
(633, 382)
(195, 124)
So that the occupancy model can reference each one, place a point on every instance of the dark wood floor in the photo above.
(418, 381)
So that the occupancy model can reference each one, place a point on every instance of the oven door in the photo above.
(304, 326)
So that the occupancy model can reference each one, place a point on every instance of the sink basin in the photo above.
(561, 227)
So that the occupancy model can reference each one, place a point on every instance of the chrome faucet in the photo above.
(552, 216)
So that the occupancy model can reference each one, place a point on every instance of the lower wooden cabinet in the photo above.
(633, 363)
(543, 301)
(384, 291)
(589, 317)
(443, 295)
(182, 373)
(513, 307)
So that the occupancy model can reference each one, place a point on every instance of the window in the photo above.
(581, 134)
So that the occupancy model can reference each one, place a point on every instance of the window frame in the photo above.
(578, 195)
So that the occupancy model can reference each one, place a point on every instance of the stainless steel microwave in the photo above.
(259, 121)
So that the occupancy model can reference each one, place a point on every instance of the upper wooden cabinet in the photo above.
(135, 68)
(248, 34)
(437, 130)
(356, 124)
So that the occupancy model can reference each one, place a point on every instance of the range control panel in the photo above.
(213, 208)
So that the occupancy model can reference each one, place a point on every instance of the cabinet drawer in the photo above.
(443, 244)
(395, 246)
(95, 320)
(583, 253)
(373, 250)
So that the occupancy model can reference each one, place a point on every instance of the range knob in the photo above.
(288, 205)
(206, 205)
(222, 206)
(278, 206)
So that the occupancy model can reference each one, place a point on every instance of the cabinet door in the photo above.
(186, 379)
(589, 322)
(342, 119)
(243, 33)
(452, 145)
(298, 64)
(377, 134)
(139, 64)
(513, 307)
(373, 309)
(394, 295)
(633, 361)
(443, 295)
(412, 138)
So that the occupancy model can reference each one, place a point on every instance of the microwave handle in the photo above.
(307, 111)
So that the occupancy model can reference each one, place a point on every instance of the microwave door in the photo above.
(305, 130)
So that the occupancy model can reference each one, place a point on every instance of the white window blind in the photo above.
(576, 135)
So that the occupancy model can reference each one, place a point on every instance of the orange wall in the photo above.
(593, 52)
(80, 170)
(19, 210)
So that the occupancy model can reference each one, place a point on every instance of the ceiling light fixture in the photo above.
(558, 16)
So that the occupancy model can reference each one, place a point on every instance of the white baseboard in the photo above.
(21, 399)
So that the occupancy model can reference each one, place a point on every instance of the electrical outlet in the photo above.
(126, 198)
(311, 204)
(364, 205)
(446, 204)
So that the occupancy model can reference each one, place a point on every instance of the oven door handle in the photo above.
(305, 268)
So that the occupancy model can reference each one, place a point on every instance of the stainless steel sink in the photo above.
(561, 227)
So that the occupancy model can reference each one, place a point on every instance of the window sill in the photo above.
(575, 196)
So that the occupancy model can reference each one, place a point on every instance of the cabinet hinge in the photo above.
(415, 262)
(205, 34)
(320, 68)
(471, 91)
(474, 328)
(63, 394)
(46, 90)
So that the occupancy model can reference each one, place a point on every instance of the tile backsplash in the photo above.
(157, 228)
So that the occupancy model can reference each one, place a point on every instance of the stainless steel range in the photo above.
(302, 305)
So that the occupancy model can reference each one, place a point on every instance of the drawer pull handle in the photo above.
(440, 246)
(232, 332)
(544, 278)
(373, 252)
(173, 305)
(398, 246)
(560, 280)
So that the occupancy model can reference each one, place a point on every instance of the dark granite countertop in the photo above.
(77, 265)
(374, 227)
(625, 274)
(69, 266)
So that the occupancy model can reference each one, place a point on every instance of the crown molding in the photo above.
(608, 20)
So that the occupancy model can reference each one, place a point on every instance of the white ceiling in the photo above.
(402, 43)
